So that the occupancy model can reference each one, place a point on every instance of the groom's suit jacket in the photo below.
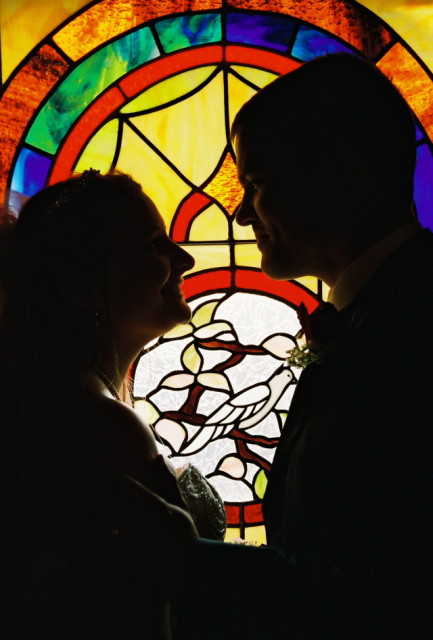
(350, 495)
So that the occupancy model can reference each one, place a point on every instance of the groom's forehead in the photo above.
(259, 146)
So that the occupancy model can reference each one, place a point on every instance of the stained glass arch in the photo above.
(151, 89)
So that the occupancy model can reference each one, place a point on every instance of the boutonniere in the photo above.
(317, 333)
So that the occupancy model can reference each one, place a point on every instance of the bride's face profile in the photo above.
(146, 298)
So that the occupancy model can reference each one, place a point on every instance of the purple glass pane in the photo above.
(260, 30)
(30, 173)
(310, 44)
(419, 132)
(423, 190)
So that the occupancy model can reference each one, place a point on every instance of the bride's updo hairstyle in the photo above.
(63, 247)
(53, 329)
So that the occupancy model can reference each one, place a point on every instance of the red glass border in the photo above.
(195, 203)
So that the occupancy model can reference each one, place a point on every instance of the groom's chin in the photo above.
(275, 269)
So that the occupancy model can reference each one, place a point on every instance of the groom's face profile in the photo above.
(278, 204)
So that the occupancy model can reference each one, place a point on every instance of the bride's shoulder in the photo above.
(112, 436)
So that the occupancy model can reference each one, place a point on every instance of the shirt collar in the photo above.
(358, 273)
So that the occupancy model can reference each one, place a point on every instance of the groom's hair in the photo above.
(342, 107)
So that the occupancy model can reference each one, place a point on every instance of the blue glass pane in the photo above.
(187, 31)
(423, 191)
(85, 83)
(310, 44)
(260, 30)
(419, 132)
(31, 171)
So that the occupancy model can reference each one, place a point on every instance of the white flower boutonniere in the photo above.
(318, 331)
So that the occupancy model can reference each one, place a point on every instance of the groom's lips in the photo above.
(261, 238)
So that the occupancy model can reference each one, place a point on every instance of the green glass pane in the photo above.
(260, 484)
(187, 31)
(204, 313)
(169, 89)
(85, 83)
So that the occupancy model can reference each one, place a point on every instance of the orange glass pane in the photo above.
(23, 95)
(111, 18)
(412, 81)
(340, 17)
(225, 187)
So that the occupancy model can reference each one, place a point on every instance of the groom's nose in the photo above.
(245, 213)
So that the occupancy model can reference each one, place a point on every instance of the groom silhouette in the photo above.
(326, 156)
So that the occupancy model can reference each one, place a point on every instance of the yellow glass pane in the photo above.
(325, 291)
(243, 233)
(232, 533)
(239, 93)
(412, 81)
(147, 411)
(256, 534)
(312, 283)
(413, 21)
(247, 255)
(169, 89)
(158, 180)
(257, 76)
(212, 224)
(24, 23)
(225, 186)
(99, 152)
(208, 256)
(190, 133)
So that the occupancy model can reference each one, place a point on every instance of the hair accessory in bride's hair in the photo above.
(73, 188)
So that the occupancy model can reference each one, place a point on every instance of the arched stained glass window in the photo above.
(151, 88)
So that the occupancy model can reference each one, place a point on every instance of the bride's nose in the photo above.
(181, 258)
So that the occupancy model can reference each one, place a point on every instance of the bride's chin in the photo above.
(180, 312)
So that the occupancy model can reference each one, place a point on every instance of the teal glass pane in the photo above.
(310, 44)
(262, 30)
(31, 171)
(86, 82)
(423, 187)
(187, 31)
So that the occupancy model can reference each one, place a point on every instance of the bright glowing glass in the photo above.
(153, 93)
